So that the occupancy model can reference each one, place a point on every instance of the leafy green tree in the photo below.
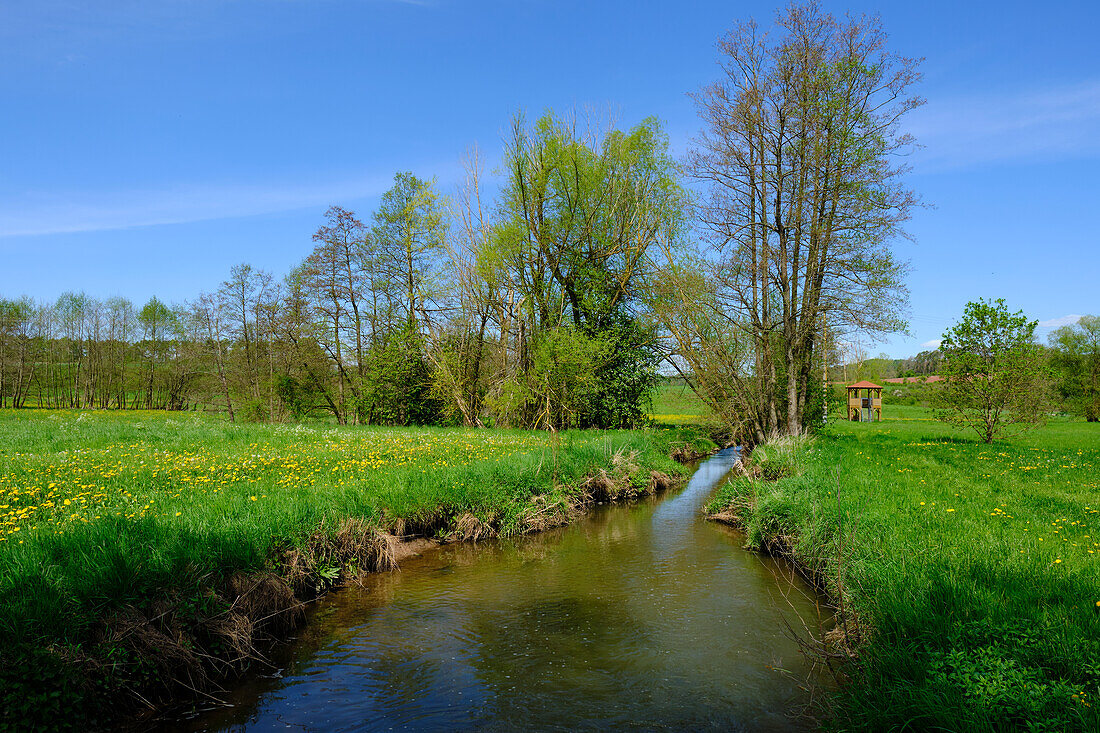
(16, 359)
(562, 379)
(625, 378)
(580, 217)
(399, 382)
(1075, 357)
(409, 229)
(156, 321)
(995, 378)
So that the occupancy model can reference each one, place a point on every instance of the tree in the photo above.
(1075, 358)
(301, 327)
(709, 348)
(239, 296)
(342, 244)
(71, 310)
(16, 364)
(994, 377)
(321, 278)
(208, 314)
(155, 319)
(407, 245)
(804, 197)
(477, 291)
(582, 215)
(409, 229)
(121, 324)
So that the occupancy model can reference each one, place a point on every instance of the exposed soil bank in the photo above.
(180, 646)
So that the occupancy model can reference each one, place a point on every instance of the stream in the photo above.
(641, 617)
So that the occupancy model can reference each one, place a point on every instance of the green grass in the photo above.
(676, 404)
(101, 511)
(975, 568)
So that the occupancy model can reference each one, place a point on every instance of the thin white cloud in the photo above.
(38, 213)
(1060, 321)
(933, 344)
(1038, 124)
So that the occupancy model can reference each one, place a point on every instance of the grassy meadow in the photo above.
(674, 403)
(108, 514)
(970, 572)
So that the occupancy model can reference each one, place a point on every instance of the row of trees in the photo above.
(80, 352)
(850, 362)
(551, 303)
(522, 312)
(1075, 363)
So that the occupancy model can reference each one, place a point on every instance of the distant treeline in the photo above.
(522, 312)
(80, 352)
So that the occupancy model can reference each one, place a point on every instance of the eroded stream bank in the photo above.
(641, 616)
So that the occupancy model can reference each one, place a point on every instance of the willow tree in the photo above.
(581, 214)
(804, 196)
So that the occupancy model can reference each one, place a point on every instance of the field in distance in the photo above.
(674, 403)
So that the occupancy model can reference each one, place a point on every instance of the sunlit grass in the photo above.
(976, 566)
(676, 404)
(102, 509)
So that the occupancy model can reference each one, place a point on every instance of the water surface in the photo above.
(638, 617)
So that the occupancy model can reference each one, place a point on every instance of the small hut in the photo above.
(864, 402)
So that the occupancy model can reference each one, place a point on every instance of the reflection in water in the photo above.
(641, 617)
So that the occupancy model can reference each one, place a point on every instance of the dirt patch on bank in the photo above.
(411, 547)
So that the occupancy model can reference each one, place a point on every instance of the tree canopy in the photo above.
(995, 380)
(1075, 359)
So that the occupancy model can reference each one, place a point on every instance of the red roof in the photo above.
(864, 385)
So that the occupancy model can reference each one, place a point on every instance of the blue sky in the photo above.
(146, 146)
